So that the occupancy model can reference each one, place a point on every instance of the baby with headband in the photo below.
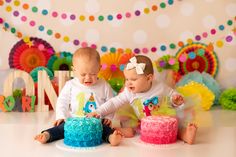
(140, 85)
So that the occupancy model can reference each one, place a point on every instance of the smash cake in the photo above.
(159, 129)
(82, 132)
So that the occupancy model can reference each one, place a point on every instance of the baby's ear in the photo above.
(150, 77)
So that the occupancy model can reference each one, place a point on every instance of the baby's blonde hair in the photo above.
(86, 53)
(148, 64)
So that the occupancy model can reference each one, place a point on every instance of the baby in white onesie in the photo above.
(141, 88)
(81, 95)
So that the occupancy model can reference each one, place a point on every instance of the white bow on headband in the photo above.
(139, 67)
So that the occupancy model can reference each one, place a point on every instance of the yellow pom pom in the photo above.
(200, 91)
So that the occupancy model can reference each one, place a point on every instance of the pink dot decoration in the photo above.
(50, 50)
(93, 46)
(41, 47)
(23, 18)
(153, 49)
(113, 68)
(145, 50)
(63, 16)
(104, 66)
(84, 44)
(183, 58)
(171, 61)
(204, 34)
(213, 31)
(119, 16)
(54, 14)
(32, 23)
(128, 15)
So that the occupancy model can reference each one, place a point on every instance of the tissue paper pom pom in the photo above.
(116, 84)
(34, 73)
(200, 91)
(203, 78)
(228, 99)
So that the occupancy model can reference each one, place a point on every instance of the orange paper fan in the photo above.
(111, 66)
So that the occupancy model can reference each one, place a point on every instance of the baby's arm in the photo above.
(63, 101)
(111, 105)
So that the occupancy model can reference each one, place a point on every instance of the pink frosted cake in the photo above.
(159, 129)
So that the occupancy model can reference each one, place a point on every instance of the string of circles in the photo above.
(82, 17)
(219, 43)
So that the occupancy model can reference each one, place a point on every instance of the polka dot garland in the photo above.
(76, 42)
(101, 18)
(91, 18)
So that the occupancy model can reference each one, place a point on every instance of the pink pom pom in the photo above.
(171, 61)
(183, 58)
(113, 68)
(104, 66)
(41, 47)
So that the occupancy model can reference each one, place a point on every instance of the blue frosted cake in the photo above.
(83, 132)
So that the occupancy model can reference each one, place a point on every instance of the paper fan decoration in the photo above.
(200, 92)
(34, 73)
(197, 56)
(60, 61)
(110, 66)
(30, 53)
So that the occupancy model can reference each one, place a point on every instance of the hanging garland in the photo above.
(103, 48)
(219, 43)
(82, 17)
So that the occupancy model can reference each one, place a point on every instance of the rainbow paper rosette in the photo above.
(30, 53)
(205, 96)
(197, 56)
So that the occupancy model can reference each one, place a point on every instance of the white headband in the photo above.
(139, 67)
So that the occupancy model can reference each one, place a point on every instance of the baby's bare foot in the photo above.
(43, 137)
(115, 138)
(189, 133)
(127, 132)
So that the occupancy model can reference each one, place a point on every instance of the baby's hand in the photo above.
(106, 122)
(177, 100)
(93, 114)
(58, 122)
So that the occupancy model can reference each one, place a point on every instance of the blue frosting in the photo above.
(83, 132)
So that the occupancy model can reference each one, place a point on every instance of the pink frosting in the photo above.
(159, 129)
